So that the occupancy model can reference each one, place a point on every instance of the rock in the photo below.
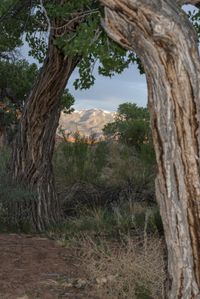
(101, 281)
(111, 277)
(80, 283)
(67, 285)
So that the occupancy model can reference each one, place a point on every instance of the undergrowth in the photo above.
(111, 219)
(132, 268)
(127, 218)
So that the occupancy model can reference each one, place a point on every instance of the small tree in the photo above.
(131, 125)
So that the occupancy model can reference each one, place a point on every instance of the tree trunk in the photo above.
(34, 144)
(2, 137)
(162, 36)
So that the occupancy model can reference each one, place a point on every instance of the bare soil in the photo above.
(32, 267)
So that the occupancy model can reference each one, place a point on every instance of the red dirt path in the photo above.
(32, 267)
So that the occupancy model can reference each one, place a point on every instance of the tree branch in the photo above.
(70, 25)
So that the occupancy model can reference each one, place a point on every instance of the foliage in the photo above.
(107, 164)
(131, 126)
(92, 44)
(127, 167)
(14, 15)
(100, 174)
(124, 218)
(129, 111)
(16, 80)
(87, 40)
(194, 17)
(79, 161)
(67, 101)
(79, 34)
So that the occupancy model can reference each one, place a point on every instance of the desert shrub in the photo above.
(106, 164)
(133, 157)
(126, 218)
(128, 269)
(98, 175)
(127, 169)
(79, 162)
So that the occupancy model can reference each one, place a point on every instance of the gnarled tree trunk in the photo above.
(162, 36)
(34, 144)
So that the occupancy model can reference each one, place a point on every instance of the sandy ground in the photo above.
(32, 267)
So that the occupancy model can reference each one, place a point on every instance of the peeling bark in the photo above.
(160, 33)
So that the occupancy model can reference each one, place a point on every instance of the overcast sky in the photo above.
(108, 93)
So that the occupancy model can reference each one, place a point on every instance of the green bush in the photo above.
(104, 162)
(131, 126)
(125, 219)
(127, 168)
(79, 162)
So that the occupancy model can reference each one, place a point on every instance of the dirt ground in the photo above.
(32, 267)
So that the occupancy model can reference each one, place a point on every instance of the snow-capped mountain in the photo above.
(86, 122)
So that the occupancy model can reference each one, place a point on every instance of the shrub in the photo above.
(112, 167)
(79, 162)
(127, 169)
(131, 269)
(131, 126)
(126, 218)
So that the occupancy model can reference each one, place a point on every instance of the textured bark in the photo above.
(33, 148)
(160, 33)
(2, 137)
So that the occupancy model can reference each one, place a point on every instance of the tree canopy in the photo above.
(16, 80)
(14, 15)
(77, 29)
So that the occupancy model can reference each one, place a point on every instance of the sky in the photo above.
(108, 93)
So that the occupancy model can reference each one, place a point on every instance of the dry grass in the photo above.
(131, 269)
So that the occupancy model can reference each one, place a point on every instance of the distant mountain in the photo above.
(86, 122)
